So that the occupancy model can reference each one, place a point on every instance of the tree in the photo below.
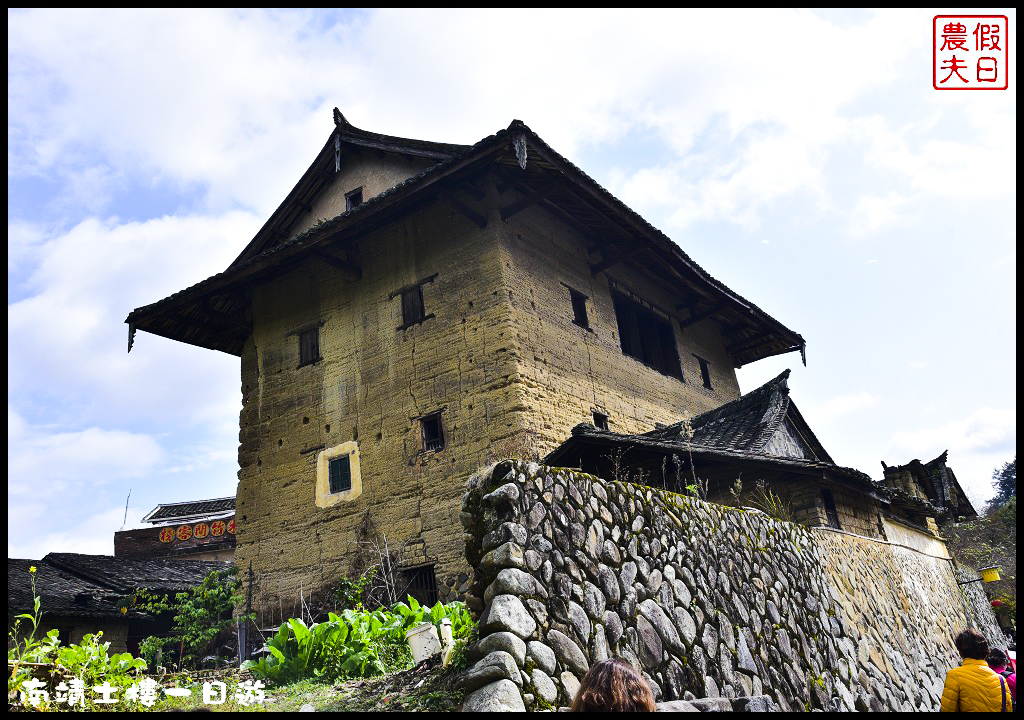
(992, 540)
(1004, 480)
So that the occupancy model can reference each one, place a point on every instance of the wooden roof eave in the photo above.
(594, 440)
(633, 227)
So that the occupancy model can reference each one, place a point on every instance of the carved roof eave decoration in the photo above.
(516, 153)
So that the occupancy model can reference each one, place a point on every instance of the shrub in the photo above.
(353, 644)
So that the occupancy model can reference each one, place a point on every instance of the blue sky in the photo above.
(801, 158)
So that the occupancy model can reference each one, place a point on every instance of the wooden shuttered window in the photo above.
(340, 474)
(309, 346)
(412, 306)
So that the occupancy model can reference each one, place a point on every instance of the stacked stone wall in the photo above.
(715, 601)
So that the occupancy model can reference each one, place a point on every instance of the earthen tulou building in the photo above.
(416, 310)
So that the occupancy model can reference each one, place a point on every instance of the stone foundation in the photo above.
(570, 569)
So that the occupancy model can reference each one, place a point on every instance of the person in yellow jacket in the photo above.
(974, 686)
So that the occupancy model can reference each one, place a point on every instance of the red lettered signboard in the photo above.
(970, 52)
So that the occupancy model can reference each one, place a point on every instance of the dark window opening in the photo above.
(340, 473)
(647, 337)
(830, 509)
(422, 584)
(309, 346)
(579, 309)
(412, 306)
(600, 421)
(705, 371)
(353, 199)
(433, 433)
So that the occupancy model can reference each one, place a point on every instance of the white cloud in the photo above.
(23, 241)
(873, 213)
(68, 459)
(977, 444)
(67, 339)
(842, 406)
(986, 429)
(93, 535)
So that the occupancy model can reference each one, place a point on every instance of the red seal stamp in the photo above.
(970, 52)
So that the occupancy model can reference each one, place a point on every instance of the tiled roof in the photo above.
(749, 423)
(61, 593)
(938, 482)
(190, 510)
(73, 584)
(744, 430)
(125, 574)
(753, 333)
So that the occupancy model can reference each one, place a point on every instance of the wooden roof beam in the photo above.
(469, 212)
(531, 199)
(353, 271)
(750, 343)
(638, 246)
(693, 319)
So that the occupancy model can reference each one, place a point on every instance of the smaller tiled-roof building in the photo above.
(922, 497)
(760, 439)
(196, 529)
(81, 594)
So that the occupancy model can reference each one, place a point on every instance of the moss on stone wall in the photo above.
(706, 599)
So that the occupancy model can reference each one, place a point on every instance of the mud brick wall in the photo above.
(706, 599)
(371, 387)
(566, 371)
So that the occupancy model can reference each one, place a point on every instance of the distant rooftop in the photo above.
(93, 585)
(190, 510)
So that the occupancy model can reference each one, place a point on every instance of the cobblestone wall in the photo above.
(710, 600)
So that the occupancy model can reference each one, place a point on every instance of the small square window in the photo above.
(705, 371)
(600, 421)
(353, 199)
(340, 474)
(579, 309)
(309, 346)
(412, 306)
(433, 433)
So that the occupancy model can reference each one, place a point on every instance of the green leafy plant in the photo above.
(772, 504)
(23, 652)
(203, 616)
(349, 593)
(90, 662)
(354, 643)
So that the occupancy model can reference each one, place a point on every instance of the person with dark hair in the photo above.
(973, 687)
(613, 686)
(997, 660)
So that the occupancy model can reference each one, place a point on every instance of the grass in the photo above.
(425, 688)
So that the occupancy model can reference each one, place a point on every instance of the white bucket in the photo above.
(446, 633)
(423, 642)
